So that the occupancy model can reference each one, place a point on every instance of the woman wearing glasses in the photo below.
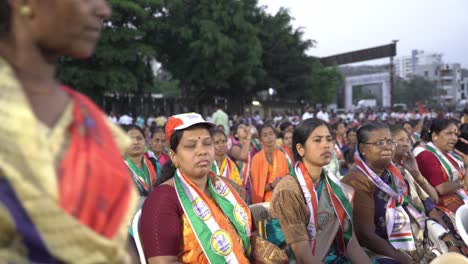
(421, 191)
(386, 220)
(444, 169)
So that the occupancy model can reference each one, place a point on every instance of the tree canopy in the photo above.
(416, 89)
(228, 48)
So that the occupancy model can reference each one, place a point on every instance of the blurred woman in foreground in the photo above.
(61, 169)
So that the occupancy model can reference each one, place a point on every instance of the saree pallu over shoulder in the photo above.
(77, 212)
(263, 173)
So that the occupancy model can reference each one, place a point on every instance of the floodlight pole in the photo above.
(392, 75)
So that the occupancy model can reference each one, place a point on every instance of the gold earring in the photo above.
(26, 11)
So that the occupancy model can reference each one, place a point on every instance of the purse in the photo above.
(265, 252)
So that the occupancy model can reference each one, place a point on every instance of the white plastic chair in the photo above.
(450, 258)
(136, 236)
(461, 220)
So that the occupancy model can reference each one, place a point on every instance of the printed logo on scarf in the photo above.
(240, 215)
(400, 221)
(200, 209)
(221, 188)
(324, 218)
(221, 243)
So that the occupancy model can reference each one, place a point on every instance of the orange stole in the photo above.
(190, 250)
(262, 173)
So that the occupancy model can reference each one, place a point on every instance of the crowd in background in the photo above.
(71, 180)
(258, 156)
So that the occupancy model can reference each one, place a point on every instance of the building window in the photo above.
(426, 74)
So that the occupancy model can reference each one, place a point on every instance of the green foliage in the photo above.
(207, 48)
(121, 62)
(286, 67)
(325, 83)
(416, 89)
(168, 88)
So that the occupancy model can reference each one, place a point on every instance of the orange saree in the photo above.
(262, 173)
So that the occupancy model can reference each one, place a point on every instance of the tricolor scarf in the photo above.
(419, 148)
(150, 155)
(244, 166)
(341, 204)
(453, 173)
(338, 152)
(414, 138)
(145, 177)
(288, 157)
(398, 221)
(217, 244)
(228, 169)
(341, 141)
(256, 144)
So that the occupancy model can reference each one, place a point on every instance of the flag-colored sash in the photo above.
(338, 152)
(228, 169)
(398, 221)
(453, 173)
(340, 141)
(256, 144)
(145, 177)
(244, 168)
(341, 204)
(150, 155)
(217, 244)
(288, 157)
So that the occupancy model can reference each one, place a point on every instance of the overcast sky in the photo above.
(345, 25)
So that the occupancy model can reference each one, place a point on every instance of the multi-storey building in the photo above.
(451, 86)
(419, 63)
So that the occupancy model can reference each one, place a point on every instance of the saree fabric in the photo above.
(169, 223)
(66, 193)
(289, 206)
(263, 173)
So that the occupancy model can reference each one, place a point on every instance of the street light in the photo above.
(271, 91)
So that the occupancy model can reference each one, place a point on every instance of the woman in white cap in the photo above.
(195, 216)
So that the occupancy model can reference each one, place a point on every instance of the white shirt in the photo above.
(125, 120)
(323, 116)
(307, 115)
